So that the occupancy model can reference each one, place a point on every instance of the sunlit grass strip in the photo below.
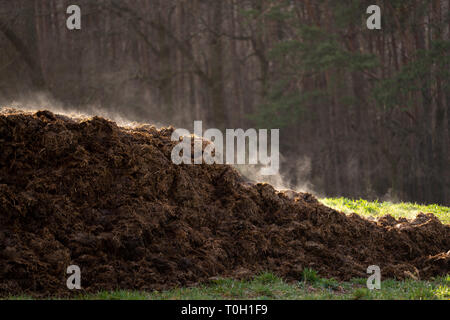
(267, 286)
(378, 209)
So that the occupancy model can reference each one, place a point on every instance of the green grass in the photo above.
(378, 209)
(311, 286)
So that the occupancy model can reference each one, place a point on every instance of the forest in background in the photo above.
(362, 113)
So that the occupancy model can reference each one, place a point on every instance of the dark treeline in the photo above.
(362, 113)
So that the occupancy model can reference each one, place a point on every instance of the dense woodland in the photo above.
(362, 113)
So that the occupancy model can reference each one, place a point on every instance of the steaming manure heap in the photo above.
(109, 199)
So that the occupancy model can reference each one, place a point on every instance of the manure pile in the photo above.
(89, 193)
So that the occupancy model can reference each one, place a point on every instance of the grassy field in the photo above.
(311, 286)
(268, 286)
(378, 209)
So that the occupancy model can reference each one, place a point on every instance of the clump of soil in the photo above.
(86, 192)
